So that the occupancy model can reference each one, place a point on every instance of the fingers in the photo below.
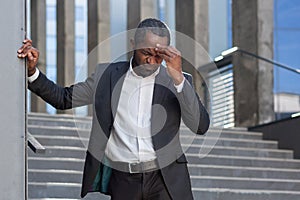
(30, 56)
(35, 52)
(167, 52)
(25, 52)
(28, 51)
(22, 51)
(27, 40)
(169, 49)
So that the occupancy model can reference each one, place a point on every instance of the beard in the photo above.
(145, 69)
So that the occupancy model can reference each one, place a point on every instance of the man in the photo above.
(134, 149)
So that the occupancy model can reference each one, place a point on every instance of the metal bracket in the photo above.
(34, 145)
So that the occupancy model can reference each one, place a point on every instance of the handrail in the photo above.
(34, 145)
(226, 58)
(231, 51)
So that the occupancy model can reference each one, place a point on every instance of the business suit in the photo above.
(102, 90)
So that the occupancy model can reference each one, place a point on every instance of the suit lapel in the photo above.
(162, 82)
(117, 80)
(105, 102)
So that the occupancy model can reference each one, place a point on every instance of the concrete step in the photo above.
(238, 151)
(59, 116)
(73, 176)
(54, 175)
(52, 199)
(96, 196)
(77, 164)
(48, 140)
(56, 163)
(80, 152)
(232, 142)
(61, 151)
(240, 165)
(225, 133)
(90, 196)
(75, 131)
(237, 171)
(79, 141)
(82, 124)
(243, 194)
(43, 119)
(245, 183)
(243, 161)
(54, 190)
(67, 117)
(58, 131)
(60, 190)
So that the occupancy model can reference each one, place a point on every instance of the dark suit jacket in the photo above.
(102, 90)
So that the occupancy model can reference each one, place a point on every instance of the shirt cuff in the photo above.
(34, 76)
(180, 86)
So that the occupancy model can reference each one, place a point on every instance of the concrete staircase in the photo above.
(239, 165)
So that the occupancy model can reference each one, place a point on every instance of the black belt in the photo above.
(138, 167)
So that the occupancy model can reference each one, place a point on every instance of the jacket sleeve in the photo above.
(193, 113)
(63, 98)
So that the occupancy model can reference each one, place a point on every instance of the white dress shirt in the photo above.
(34, 76)
(130, 138)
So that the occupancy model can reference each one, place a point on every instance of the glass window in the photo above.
(51, 72)
(79, 44)
(162, 10)
(79, 13)
(51, 43)
(51, 57)
(51, 13)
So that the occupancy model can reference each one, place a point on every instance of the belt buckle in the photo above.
(132, 170)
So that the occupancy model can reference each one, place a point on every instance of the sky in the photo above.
(287, 44)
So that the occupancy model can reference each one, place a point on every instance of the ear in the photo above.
(132, 44)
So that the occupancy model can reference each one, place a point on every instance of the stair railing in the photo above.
(34, 145)
(233, 50)
(224, 65)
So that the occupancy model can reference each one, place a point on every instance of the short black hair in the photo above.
(156, 26)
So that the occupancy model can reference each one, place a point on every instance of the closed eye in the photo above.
(145, 53)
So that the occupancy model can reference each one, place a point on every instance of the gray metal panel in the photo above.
(222, 97)
(12, 102)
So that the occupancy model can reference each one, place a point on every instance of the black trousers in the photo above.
(139, 186)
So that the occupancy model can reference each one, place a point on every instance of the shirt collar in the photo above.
(132, 72)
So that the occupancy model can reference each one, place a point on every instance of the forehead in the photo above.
(151, 40)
